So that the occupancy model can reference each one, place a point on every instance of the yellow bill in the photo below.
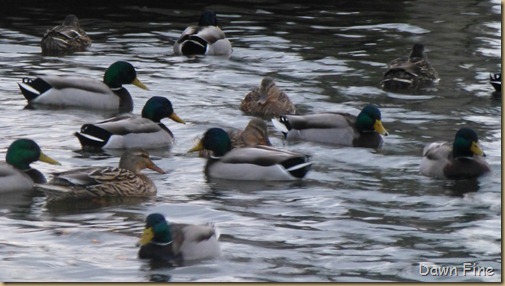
(379, 128)
(176, 118)
(197, 147)
(146, 237)
(475, 148)
(137, 82)
(44, 158)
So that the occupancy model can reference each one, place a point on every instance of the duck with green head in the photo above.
(16, 174)
(128, 130)
(342, 129)
(463, 159)
(410, 73)
(81, 92)
(258, 163)
(204, 39)
(162, 240)
(65, 38)
(126, 180)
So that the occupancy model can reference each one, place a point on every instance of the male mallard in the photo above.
(335, 128)
(260, 163)
(123, 181)
(175, 241)
(205, 39)
(16, 174)
(267, 100)
(462, 160)
(85, 92)
(128, 130)
(65, 38)
(495, 81)
(410, 72)
(255, 133)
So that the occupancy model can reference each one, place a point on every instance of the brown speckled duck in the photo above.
(267, 100)
(123, 181)
(410, 73)
(65, 38)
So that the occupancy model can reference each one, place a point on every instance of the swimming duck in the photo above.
(410, 72)
(255, 133)
(495, 81)
(84, 92)
(91, 182)
(463, 160)
(65, 38)
(205, 39)
(267, 100)
(336, 128)
(259, 163)
(128, 130)
(16, 174)
(162, 240)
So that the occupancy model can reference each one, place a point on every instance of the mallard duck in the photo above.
(123, 181)
(16, 174)
(495, 81)
(463, 160)
(255, 133)
(412, 72)
(336, 128)
(205, 39)
(128, 130)
(84, 92)
(260, 163)
(267, 100)
(65, 38)
(176, 241)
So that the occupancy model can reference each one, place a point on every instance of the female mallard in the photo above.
(267, 100)
(128, 130)
(410, 72)
(123, 181)
(85, 92)
(16, 174)
(65, 38)
(260, 163)
(175, 241)
(255, 133)
(464, 160)
(337, 128)
(205, 39)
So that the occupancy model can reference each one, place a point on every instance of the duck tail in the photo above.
(298, 167)
(495, 81)
(92, 137)
(282, 124)
(398, 79)
(33, 88)
(194, 45)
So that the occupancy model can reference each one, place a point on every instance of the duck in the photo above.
(16, 174)
(127, 130)
(168, 241)
(65, 38)
(126, 180)
(258, 163)
(335, 128)
(81, 92)
(495, 81)
(255, 133)
(267, 100)
(463, 159)
(410, 73)
(204, 39)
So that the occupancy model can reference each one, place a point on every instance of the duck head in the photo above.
(22, 152)
(157, 108)
(369, 119)
(120, 73)
(216, 140)
(157, 230)
(466, 144)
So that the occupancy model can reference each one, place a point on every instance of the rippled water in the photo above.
(360, 215)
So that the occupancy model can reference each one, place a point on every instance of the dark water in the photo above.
(361, 215)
